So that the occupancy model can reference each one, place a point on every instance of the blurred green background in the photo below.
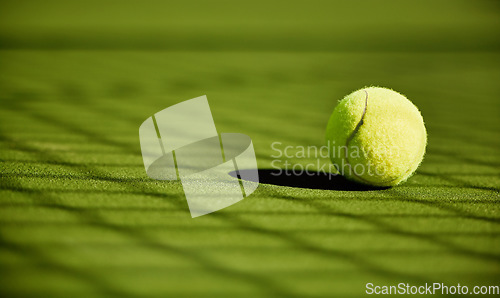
(79, 217)
(289, 26)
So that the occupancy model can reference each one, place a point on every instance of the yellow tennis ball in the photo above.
(376, 136)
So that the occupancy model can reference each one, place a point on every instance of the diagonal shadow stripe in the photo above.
(75, 129)
(456, 181)
(397, 195)
(75, 177)
(69, 163)
(463, 159)
(37, 256)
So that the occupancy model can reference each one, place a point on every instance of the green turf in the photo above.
(80, 218)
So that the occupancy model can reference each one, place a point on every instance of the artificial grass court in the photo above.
(80, 218)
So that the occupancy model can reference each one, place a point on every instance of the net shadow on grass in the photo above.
(326, 209)
(90, 217)
(309, 179)
(270, 286)
(70, 127)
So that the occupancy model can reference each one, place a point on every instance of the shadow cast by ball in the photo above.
(310, 180)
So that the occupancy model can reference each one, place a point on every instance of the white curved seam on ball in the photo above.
(356, 129)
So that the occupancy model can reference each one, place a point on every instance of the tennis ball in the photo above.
(376, 136)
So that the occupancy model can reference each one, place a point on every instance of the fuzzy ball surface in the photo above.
(376, 136)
